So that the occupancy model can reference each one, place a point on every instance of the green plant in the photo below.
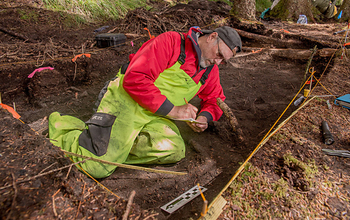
(281, 188)
(325, 167)
(28, 15)
(94, 10)
(261, 5)
(230, 3)
(280, 138)
(309, 169)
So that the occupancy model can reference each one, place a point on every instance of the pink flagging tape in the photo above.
(38, 70)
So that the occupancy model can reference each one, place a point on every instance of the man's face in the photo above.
(215, 52)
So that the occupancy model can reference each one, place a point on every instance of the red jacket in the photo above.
(161, 53)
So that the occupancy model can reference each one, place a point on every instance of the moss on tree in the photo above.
(291, 9)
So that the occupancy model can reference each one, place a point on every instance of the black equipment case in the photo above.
(110, 39)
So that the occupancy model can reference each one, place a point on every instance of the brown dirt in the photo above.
(258, 87)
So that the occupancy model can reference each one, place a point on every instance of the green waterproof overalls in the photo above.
(122, 131)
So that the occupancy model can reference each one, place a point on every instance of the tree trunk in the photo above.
(345, 7)
(244, 9)
(291, 9)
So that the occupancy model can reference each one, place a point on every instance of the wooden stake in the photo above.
(308, 64)
(128, 206)
(232, 118)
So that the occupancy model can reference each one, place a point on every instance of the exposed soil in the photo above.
(258, 87)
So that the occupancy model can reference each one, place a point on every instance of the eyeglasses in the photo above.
(219, 54)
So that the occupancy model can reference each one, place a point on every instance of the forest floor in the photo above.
(288, 177)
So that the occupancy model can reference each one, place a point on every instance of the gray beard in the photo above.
(202, 63)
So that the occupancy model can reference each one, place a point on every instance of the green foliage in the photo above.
(254, 193)
(281, 188)
(226, 1)
(280, 138)
(309, 169)
(280, 11)
(94, 10)
(72, 20)
(29, 15)
(261, 5)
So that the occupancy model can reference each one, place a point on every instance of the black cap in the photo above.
(229, 36)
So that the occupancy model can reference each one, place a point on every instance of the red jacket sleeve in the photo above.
(153, 58)
(208, 93)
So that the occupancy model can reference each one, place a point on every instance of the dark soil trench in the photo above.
(258, 88)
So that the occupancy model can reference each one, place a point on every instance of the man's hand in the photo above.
(183, 111)
(199, 127)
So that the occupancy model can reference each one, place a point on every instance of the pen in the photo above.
(186, 101)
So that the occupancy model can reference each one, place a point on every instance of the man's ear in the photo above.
(212, 36)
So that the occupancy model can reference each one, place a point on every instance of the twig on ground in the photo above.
(151, 216)
(68, 172)
(76, 216)
(43, 174)
(48, 167)
(14, 197)
(75, 70)
(53, 202)
(128, 206)
(15, 35)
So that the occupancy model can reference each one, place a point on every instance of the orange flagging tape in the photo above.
(11, 110)
(257, 51)
(149, 33)
(285, 31)
(83, 54)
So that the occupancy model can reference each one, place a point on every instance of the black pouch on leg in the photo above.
(96, 138)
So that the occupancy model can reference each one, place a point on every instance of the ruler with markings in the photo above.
(180, 201)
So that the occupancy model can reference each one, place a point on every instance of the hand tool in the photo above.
(328, 138)
(341, 153)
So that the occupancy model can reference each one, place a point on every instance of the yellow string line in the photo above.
(125, 165)
(204, 200)
(94, 179)
(263, 140)
(201, 192)
(83, 170)
(325, 71)
(324, 87)
(320, 78)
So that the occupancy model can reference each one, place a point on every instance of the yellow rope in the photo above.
(110, 191)
(205, 202)
(265, 139)
(125, 165)
(325, 87)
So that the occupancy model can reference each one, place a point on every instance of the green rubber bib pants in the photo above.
(122, 131)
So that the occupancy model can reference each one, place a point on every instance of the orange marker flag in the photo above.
(83, 54)
(11, 110)
(149, 33)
